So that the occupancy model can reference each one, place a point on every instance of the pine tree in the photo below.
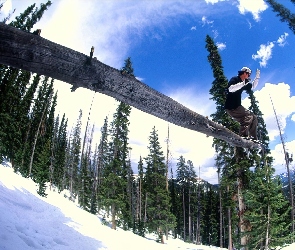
(30, 17)
(268, 211)
(39, 135)
(158, 211)
(224, 152)
(284, 13)
(210, 217)
(265, 194)
(113, 189)
(139, 227)
(73, 159)
(182, 177)
(24, 118)
(41, 169)
(13, 88)
(128, 68)
(85, 184)
(127, 170)
(87, 177)
(10, 97)
(41, 155)
(235, 169)
(261, 127)
(60, 146)
(100, 162)
(94, 176)
(129, 213)
(50, 135)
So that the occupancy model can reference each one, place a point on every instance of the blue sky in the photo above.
(166, 43)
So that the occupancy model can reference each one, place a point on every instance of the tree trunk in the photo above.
(220, 211)
(243, 226)
(167, 166)
(198, 229)
(140, 197)
(30, 52)
(189, 214)
(145, 206)
(113, 211)
(51, 168)
(183, 208)
(230, 241)
(267, 227)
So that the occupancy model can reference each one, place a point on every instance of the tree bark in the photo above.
(31, 52)
(183, 208)
(114, 213)
(220, 210)
(230, 241)
(242, 222)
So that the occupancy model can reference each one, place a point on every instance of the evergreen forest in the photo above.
(248, 208)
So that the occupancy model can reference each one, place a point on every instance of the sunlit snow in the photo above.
(28, 221)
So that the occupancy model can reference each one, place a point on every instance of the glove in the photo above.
(257, 76)
(256, 80)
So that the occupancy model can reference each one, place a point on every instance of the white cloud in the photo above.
(114, 27)
(254, 7)
(205, 21)
(221, 46)
(6, 8)
(193, 99)
(214, 1)
(215, 33)
(284, 109)
(264, 53)
(194, 28)
(282, 39)
(250, 24)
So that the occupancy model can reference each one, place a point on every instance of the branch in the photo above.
(33, 53)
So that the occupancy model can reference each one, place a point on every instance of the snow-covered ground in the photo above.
(28, 221)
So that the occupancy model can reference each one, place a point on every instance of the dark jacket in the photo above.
(234, 99)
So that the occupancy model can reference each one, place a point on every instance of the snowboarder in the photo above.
(233, 106)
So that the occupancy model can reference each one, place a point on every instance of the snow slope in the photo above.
(28, 221)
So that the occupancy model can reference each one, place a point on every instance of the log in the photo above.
(27, 51)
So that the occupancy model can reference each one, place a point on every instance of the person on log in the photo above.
(233, 106)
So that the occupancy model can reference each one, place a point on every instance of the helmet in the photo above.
(245, 69)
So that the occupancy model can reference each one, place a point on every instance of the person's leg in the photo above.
(248, 121)
(253, 127)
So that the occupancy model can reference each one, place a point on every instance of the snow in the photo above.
(28, 221)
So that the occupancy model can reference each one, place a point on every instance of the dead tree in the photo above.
(33, 53)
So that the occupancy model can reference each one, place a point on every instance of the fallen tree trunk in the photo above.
(33, 53)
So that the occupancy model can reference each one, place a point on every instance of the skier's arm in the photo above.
(237, 86)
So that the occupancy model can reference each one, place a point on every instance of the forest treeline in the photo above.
(247, 209)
